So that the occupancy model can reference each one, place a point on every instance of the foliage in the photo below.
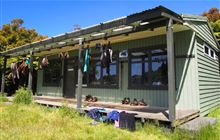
(3, 97)
(20, 121)
(23, 96)
(213, 16)
(13, 35)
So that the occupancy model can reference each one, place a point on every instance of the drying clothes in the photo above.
(106, 58)
(127, 120)
(110, 53)
(122, 119)
(66, 55)
(112, 116)
(23, 73)
(27, 61)
(23, 68)
(14, 71)
(97, 46)
(61, 56)
(86, 64)
(96, 114)
(44, 62)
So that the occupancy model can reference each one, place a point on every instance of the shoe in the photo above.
(123, 101)
(142, 103)
(94, 99)
(88, 97)
(127, 100)
(134, 103)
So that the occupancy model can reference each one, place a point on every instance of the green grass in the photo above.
(20, 121)
(3, 97)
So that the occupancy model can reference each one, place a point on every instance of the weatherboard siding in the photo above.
(185, 76)
(209, 80)
(47, 90)
(186, 72)
(204, 30)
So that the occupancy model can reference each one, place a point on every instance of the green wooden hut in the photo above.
(170, 60)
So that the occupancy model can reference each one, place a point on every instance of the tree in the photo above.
(13, 35)
(213, 16)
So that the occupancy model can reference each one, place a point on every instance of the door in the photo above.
(69, 79)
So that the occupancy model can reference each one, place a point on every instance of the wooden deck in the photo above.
(143, 112)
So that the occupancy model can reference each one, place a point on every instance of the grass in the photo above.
(32, 121)
(3, 97)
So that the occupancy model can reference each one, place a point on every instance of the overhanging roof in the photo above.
(156, 18)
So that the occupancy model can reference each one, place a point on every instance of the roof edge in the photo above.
(194, 17)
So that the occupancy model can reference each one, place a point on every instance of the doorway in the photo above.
(69, 88)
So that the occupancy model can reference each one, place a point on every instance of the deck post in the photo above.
(79, 93)
(3, 75)
(171, 71)
(30, 76)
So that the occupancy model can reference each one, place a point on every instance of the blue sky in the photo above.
(52, 17)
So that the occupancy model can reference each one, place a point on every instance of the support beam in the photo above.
(30, 76)
(80, 75)
(3, 75)
(171, 71)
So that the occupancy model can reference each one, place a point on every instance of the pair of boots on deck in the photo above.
(135, 102)
(90, 98)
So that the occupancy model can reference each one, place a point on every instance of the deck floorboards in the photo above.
(146, 112)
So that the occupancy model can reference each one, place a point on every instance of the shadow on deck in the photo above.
(143, 112)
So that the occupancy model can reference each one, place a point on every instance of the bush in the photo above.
(3, 97)
(23, 96)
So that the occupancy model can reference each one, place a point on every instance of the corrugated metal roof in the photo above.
(142, 16)
(127, 20)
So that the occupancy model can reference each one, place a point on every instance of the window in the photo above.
(52, 73)
(212, 53)
(99, 76)
(209, 52)
(206, 50)
(148, 68)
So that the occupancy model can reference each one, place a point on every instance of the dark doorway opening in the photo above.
(70, 78)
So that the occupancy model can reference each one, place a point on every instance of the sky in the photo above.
(53, 17)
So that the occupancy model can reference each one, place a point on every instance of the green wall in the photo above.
(49, 90)
(209, 80)
(186, 76)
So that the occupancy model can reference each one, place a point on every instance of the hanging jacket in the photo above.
(14, 71)
(27, 61)
(86, 64)
(107, 59)
(44, 62)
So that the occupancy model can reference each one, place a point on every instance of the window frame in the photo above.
(102, 85)
(49, 84)
(142, 86)
(209, 51)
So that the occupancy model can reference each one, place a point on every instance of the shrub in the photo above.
(3, 97)
(23, 96)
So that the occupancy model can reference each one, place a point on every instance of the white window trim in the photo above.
(209, 51)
